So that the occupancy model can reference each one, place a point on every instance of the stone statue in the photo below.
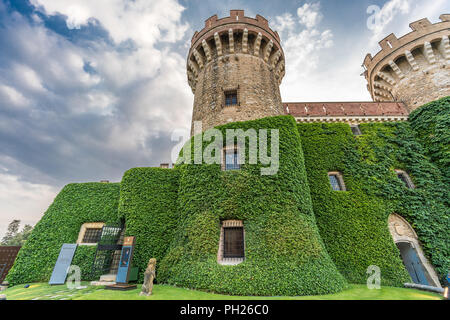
(149, 276)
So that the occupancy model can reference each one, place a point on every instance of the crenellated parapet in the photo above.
(234, 35)
(413, 69)
(235, 67)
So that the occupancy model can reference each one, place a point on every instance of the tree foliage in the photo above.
(15, 238)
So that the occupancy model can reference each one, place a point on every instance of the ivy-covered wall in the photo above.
(148, 202)
(74, 205)
(301, 237)
(284, 252)
(353, 223)
(431, 124)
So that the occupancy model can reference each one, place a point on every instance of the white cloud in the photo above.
(86, 124)
(383, 17)
(309, 14)
(28, 77)
(283, 22)
(304, 43)
(22, 200)
(10, 96)
(145, 22)
(396, 15)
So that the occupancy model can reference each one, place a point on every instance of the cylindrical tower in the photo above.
(415, 68)
(235, 67)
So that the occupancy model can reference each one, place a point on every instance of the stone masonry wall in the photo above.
(414, 69)
(242, 55)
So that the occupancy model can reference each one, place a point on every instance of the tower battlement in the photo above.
(236, 34)
(234, 67)
(413, 69)
(235, 16)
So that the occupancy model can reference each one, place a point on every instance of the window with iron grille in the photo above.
(231, 159)
(231, 98)
(404, 177)
(92, 235)
(233, 242)
(336, 181)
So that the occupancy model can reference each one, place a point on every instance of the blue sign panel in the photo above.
(62, 264)
(125, 260)
(124, 265)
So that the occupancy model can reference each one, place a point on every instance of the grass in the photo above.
(43, 291)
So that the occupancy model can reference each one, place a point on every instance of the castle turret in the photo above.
(415, 68)
(235, 67)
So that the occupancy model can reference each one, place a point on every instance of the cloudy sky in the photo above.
(89, 89)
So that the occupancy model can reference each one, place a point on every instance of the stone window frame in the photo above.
(357, 128)
(84, 227)
(223, 157)
(402, 231)
(229, 90)
(229, 261)
(340, 178)
(409, 182)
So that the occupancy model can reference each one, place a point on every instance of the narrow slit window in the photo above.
(233, 242)
(336, 181)
(231, 98)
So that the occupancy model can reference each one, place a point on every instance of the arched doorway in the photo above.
(404, 236)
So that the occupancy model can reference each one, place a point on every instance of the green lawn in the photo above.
(43, 291)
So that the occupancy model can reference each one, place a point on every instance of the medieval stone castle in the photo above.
(361, 185)
(242, 58)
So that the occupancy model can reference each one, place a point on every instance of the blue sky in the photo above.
(89, 89)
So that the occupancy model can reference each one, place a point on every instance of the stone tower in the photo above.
(235, 67)
(415, 68)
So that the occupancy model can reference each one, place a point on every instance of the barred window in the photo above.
(231, 98)
(233, 242)
(405, 178)
(92, 235)
(336, 181)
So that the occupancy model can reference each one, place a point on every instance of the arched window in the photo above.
(405, 178)
(336, 181)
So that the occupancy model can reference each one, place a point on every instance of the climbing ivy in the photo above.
(431, 124)
(284, 252)
(74, 205)
(148, 202)
(358, 217)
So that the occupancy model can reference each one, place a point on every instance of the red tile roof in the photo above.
(342, 109)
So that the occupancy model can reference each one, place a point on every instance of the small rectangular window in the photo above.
(231, 159)
(92, 235)
(231, 98)
(233, 242)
